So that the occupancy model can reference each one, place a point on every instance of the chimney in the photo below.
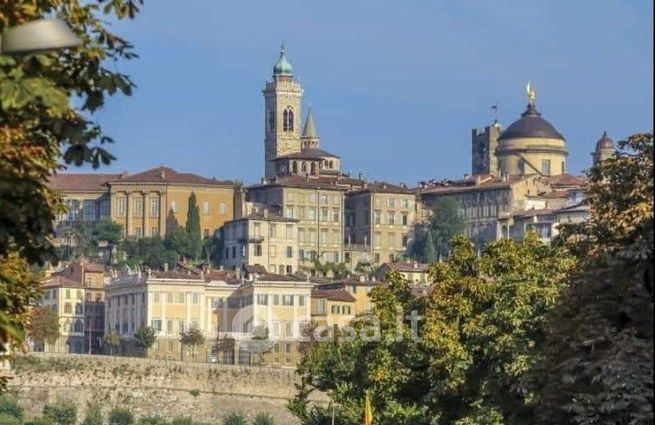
(265, 211)
(162, 173)
(165, 267)
(415, 265)
(478, 179)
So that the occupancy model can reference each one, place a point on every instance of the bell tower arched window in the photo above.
(271, 120)
(287, 120)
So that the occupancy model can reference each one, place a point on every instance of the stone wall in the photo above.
(155, 387)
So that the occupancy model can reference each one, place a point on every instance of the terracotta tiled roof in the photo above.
(313, 182)
(565, 180)
(168, 175)
(269, 216)
(556, 194)
(176, 274)
(83, 182)
(469, 184)
(59, 281)
(256, 268)
(407, 267)
(333, 295)
(383, 187)
(272, 277)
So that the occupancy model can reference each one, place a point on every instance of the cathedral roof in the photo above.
(605, 142)
(309, 131)
(530, 125)
(308, 153)
(283, 67)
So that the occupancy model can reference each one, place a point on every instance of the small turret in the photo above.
(310, 138)
(604, 149)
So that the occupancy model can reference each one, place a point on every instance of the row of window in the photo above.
(155, 207)
(545, 167)
(91, 210)
(323, 199)
(324, 214)
(124, 300)
(392, 202)
(182, 324)
(326, 236)
(180, 298)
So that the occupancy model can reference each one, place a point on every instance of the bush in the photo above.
(7, 419)
(9, 406)
(234, 418)
(62, 412)
(93, 415)
(182, 421)
(152, 420)
(120, 416)
(39, 421)
(263, 418)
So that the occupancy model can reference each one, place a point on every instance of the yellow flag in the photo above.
(368, 413)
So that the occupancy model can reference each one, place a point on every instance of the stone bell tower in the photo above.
(282, 103)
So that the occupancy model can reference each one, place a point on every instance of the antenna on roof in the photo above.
(494, 108)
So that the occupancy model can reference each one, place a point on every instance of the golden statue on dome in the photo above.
(532, 95)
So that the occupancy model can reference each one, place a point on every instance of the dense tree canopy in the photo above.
(40, 124)
(480, 329)
(431, 240)
(597, 362)
(193, 227)
(44, 325)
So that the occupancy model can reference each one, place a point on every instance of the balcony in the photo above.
(251, 239)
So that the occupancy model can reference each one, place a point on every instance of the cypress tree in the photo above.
(193, 225)
(429, 251)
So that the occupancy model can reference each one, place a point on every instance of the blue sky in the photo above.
(396, 87)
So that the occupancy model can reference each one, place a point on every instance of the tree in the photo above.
(19, 287)
(597, 359)
(463, 363)
(191, 336)
(429, 255)
(112, 340)
(9, 406)
(144, 338)
(435, 235)
(193, 226)
(111, 233)
(61, 412)
(46, 102)
(44, 326)
(178, 241)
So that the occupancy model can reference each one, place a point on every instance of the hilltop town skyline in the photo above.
(401, 91)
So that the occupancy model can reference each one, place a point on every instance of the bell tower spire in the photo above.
(282, 109)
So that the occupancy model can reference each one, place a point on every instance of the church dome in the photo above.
(283, 67)
(530, 125)
(605, 142)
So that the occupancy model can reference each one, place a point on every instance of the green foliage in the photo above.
(111, 233)
(61, 412)
(263, 418)
(195, 392)
(234, 418)
(121, 416)
(112, 340)
(193, 226)
(46, 106)
(152, 420)
(44, 325)
(597, 359)
(431, 240)
(39, 421)
(192, 336)
(93, 415)
(144, 338)
(9, 406)
(7, 419)
(478, 338)
(19, 287)
(152, 252)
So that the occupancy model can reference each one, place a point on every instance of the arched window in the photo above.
(303, 167)
(331, 165)
(313, 168)
(287, 120)
(271, 120)
(295, 167)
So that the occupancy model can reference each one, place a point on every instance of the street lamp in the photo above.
(37, 36)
